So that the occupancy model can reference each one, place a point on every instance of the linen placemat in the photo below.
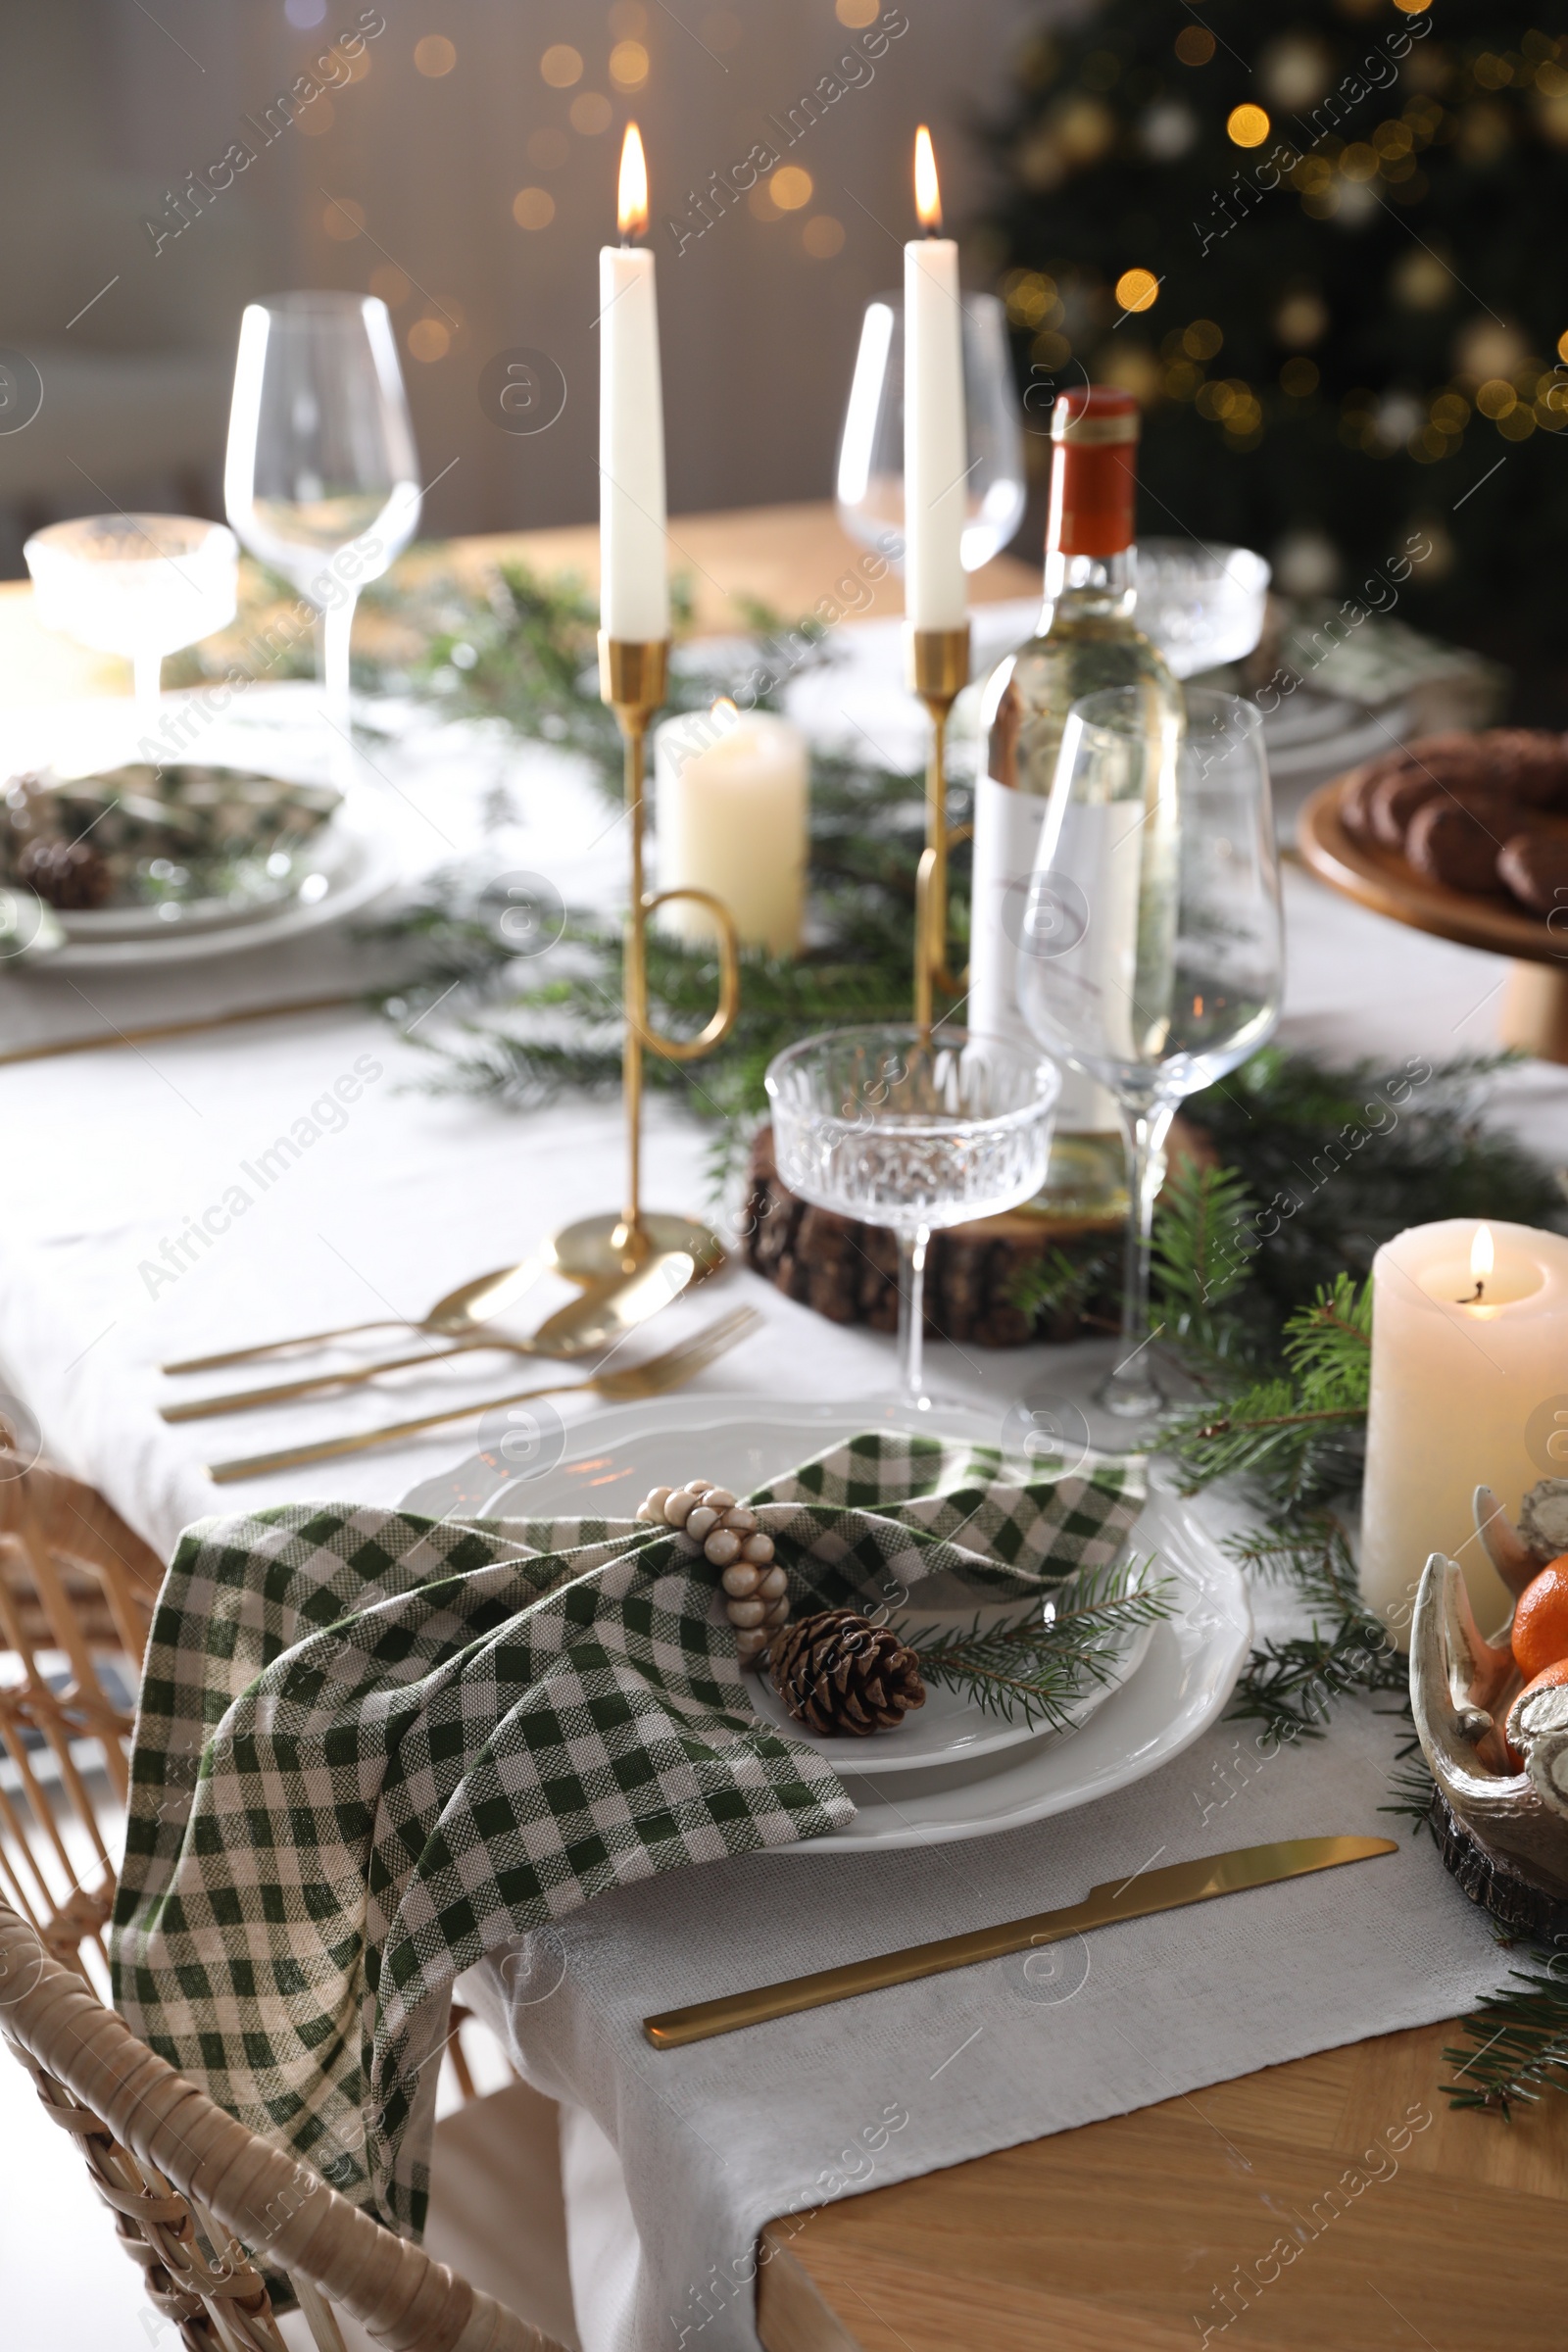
(372, 1746)
(675, 2159)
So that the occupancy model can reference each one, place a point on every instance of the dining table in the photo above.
(1137, 2211)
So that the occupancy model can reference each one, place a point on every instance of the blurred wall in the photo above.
(464, 120)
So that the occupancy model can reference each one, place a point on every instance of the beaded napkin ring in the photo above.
(756, 1591)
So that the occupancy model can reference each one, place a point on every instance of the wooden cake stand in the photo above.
(1535, 1008)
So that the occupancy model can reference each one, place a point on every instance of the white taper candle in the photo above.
(634, 587)
(935, 437)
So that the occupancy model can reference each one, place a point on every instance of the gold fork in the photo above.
(672, 1370)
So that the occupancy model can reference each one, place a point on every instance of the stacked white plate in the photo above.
(952, 1770)
(274, 730)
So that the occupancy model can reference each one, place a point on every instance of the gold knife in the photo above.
(1146, 1892)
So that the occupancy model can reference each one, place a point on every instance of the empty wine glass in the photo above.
(1151, 952)
(321, 480)
(870, 467)
(915, 1129)
(141, 586)
(1203, 605)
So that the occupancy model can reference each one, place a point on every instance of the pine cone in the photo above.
(69, 874)
(838, 1672)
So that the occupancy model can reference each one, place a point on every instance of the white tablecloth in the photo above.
(113, 1158)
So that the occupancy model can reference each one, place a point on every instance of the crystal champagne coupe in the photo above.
(141, 586)
(322, 479)
(914, 1129)
(1151, 955)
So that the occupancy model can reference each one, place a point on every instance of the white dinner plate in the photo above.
(1178, 1683)
(950, 1727)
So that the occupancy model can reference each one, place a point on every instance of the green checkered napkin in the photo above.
(372, 1747)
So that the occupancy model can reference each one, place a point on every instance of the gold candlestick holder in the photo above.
(632, 678)
(938, 670)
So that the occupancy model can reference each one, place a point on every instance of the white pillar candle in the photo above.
(633, 586)
(731, 812)
(1465, 1388)
(935, 450)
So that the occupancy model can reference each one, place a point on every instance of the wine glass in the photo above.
(871, 467)
(915, 1129)
(1153, 943)
(1202, 606)
(322, 479)
(141, 586)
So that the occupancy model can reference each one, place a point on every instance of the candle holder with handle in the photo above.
(632, 678)
(938, 668)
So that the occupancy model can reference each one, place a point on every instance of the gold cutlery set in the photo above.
(592, 1325)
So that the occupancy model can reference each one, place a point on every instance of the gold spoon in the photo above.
(465, 1309)
(587, 1326)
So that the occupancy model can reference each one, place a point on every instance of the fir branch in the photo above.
(1292, 1686)
(1295, 1433)
(1410, 1784)
(1329, 1345)
(511, 645)
(1037, 1668)
(1205, 1239)
(1518, 2041)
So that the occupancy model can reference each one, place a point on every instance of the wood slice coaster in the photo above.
(1516, 1902)
(850, 1272)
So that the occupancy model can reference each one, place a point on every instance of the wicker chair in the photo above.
(185, 2181)
(76, 1593)
(76, 1582)
(77, 1585)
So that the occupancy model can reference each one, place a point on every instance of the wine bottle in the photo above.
(1087, 639)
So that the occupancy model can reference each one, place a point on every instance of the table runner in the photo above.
(675, 2159)
(371, 1746)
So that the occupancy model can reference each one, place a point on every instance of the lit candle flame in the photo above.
(927, 194)
(724, 712)
(1482, 1253)
(631, 207)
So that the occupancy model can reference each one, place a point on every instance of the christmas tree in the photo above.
(1323, 246)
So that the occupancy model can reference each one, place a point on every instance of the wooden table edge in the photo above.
(875, 2271)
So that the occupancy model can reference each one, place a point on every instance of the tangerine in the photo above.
(1540, 1620)
(1548, 1679)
